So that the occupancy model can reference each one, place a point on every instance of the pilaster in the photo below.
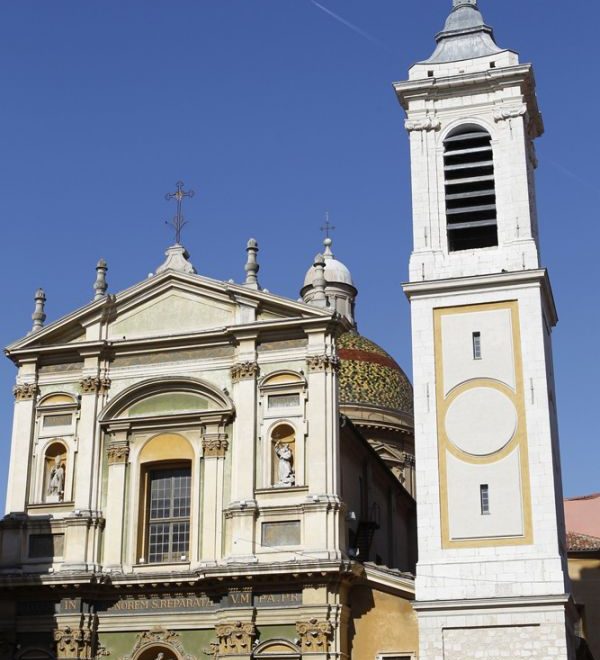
(117, 451)
(25, 391)
(241, 514)
(214, 447)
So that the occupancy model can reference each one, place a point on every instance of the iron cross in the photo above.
(178, 223)
(327, 227)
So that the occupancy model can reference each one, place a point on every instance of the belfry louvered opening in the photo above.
(470, 189)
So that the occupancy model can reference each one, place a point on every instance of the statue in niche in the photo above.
(285, 470)
(56, 481)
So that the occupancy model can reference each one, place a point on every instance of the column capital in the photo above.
(244, 371)
(117, 453)
(314, 635)
(94, 384)
(25, 391)
(215, 445)
(322, 363)
(234, 639)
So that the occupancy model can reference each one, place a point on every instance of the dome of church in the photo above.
(335, 271)
(368, 375)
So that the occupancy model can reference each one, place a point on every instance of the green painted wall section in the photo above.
(194, 641)
(167, 403)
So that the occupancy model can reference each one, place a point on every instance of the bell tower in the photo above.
(491, 576)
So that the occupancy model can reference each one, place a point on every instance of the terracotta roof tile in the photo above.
(582, 543)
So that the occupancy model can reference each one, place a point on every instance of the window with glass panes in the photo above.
(169, 515)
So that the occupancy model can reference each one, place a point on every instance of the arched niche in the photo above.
(276, 649)
(283, 448)
(157, 652)
(282, 377)
(55, 472)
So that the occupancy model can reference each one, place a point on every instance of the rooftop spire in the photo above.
(100, 285)
(39, 316)
(252, 266)
(465, 35)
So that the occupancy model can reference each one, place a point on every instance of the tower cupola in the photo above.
(339, 286)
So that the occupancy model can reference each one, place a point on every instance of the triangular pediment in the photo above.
(168, 304)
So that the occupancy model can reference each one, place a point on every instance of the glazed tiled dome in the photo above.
(369, 375)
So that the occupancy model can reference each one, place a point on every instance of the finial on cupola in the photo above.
(252, 267)
(39, 316)
(100, 285)
(319, 299)
(458, 3)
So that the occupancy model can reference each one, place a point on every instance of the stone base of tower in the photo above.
(536, 629)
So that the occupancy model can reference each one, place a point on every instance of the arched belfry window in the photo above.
(470, 190)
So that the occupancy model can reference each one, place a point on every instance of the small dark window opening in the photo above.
(492, 65)
(470, 189)
(484, 494)
(430, 74)
(477, 345)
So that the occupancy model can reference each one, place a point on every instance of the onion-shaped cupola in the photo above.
(338, 286)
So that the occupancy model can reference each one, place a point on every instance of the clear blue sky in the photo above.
(273, 111)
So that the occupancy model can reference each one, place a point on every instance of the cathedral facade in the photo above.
(205, 469)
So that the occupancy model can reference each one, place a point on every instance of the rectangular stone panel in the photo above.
(277, 534)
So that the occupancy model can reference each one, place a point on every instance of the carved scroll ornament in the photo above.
(428, 123)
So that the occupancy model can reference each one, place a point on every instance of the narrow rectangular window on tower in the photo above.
(477, 345)
(484, 495)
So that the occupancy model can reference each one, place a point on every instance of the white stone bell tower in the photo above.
(491, 577)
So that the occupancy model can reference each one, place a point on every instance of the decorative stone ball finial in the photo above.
(460, 3)
(252, 267)
(39, 315)
(100, 285)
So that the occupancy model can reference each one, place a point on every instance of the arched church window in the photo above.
(55, 470)
(470, 189)
(168, 493)
(283, 443)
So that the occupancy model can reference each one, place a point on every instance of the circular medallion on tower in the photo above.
(481, 421)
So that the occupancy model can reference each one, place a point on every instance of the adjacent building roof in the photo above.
(582, 543)
(582, 514)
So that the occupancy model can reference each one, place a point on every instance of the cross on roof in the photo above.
(178, 223)
(327, 227)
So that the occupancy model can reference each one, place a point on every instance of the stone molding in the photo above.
(502, 114)
(215, 446)
(91, 385)
(235, 638)
(314, 635)
(25, 392)
(158, 635)
(428, 123)
(244, 371)
(117, 454)
(322, 363)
